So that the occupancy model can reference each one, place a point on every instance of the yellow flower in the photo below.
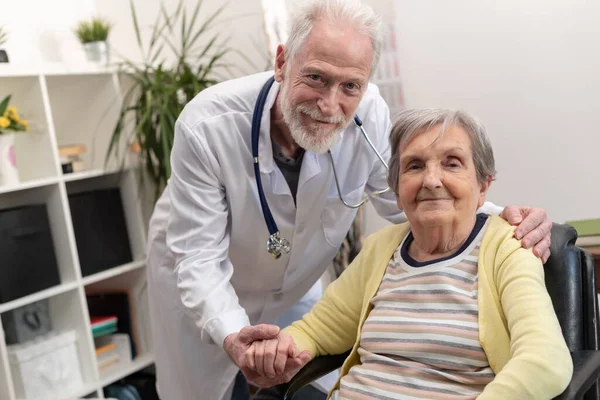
(13, 114)
(25, 125)
(4, 122)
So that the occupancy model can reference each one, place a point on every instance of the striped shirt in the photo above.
(421, 339)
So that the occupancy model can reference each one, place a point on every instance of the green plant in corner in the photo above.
(93, 30)
(160, 90)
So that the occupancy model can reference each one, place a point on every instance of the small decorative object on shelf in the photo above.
(70, 158)
(10, 123)
(93, 34)
(3, 39)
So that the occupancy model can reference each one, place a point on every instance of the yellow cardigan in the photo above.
(518, 329)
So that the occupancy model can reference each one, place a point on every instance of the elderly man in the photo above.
(256, 160)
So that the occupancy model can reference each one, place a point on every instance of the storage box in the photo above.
(100, 230)
(27, 323)
(47, 367)
(27, 252)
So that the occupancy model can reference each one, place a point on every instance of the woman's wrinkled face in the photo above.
(437, 182)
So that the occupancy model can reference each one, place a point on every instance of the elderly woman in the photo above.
(446, 306)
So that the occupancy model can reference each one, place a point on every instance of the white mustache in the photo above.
(317, 115)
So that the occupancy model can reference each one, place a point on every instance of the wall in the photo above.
(42, 31)
(529, 70)
(241, 21)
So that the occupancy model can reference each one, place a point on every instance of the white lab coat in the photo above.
(209, 273)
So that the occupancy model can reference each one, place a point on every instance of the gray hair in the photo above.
(360, 15)
(410, 123)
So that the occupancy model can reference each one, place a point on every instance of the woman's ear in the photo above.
(483, 189)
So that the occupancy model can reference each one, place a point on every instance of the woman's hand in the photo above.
(274, 361)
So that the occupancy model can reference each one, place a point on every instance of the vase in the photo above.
(9, 174)
(96, 52)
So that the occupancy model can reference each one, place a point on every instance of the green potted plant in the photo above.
(161, 89)
(3, 39)
(93, 35)
(11, 123)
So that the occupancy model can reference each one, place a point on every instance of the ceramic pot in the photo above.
(97, 52)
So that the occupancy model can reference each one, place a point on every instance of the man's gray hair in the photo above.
(410, 123)
(361, 16)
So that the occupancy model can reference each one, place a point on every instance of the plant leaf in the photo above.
(137, 28)
(4, 105)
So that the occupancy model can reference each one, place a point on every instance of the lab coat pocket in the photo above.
(336, 218)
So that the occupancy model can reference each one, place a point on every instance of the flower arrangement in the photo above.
(10, 120)
(94, 30)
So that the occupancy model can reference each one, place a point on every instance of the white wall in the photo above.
(241, 20)
(531, 71)
(42, 31)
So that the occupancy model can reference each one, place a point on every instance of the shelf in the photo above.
(32, 298)
(10, 70)
(121, 371)
(94, 173)
(32, 184)
(114, 374)
(100, 276)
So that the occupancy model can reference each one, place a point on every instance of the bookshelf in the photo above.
(75, 106)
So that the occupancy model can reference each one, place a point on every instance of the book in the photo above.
(104, 331)
(106, 348)
(98, 322)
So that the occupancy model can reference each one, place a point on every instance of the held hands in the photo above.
(266, 356)
(533, 228)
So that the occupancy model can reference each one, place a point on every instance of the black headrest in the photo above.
(563, 274)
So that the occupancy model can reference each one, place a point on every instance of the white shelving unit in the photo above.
(75, 107)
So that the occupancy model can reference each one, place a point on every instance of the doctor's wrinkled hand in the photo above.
(275, 361)
(533, 228)
(236, 344)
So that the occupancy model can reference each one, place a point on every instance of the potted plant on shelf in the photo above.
(160, 89)
(93, 34)
(3, 39)
(10, 124)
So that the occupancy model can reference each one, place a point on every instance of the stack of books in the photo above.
(102, 326)
(107, 354)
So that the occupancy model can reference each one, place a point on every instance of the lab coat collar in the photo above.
(265, 147)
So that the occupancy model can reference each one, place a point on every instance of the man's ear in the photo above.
(280, 63)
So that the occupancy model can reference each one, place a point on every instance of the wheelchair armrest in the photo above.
(586, 371)
(312, 371)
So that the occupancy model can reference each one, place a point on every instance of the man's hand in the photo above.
(236, 344)
(533, 228)
(275, 361)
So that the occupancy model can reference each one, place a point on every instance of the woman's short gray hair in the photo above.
(409, 123)
(360, 15)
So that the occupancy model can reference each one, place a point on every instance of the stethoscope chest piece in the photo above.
(277, 244)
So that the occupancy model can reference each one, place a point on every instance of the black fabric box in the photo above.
(27, 252)
(100, 230)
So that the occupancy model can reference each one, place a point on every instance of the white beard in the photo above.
(317, 139)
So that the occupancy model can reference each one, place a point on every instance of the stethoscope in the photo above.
(276, 244)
